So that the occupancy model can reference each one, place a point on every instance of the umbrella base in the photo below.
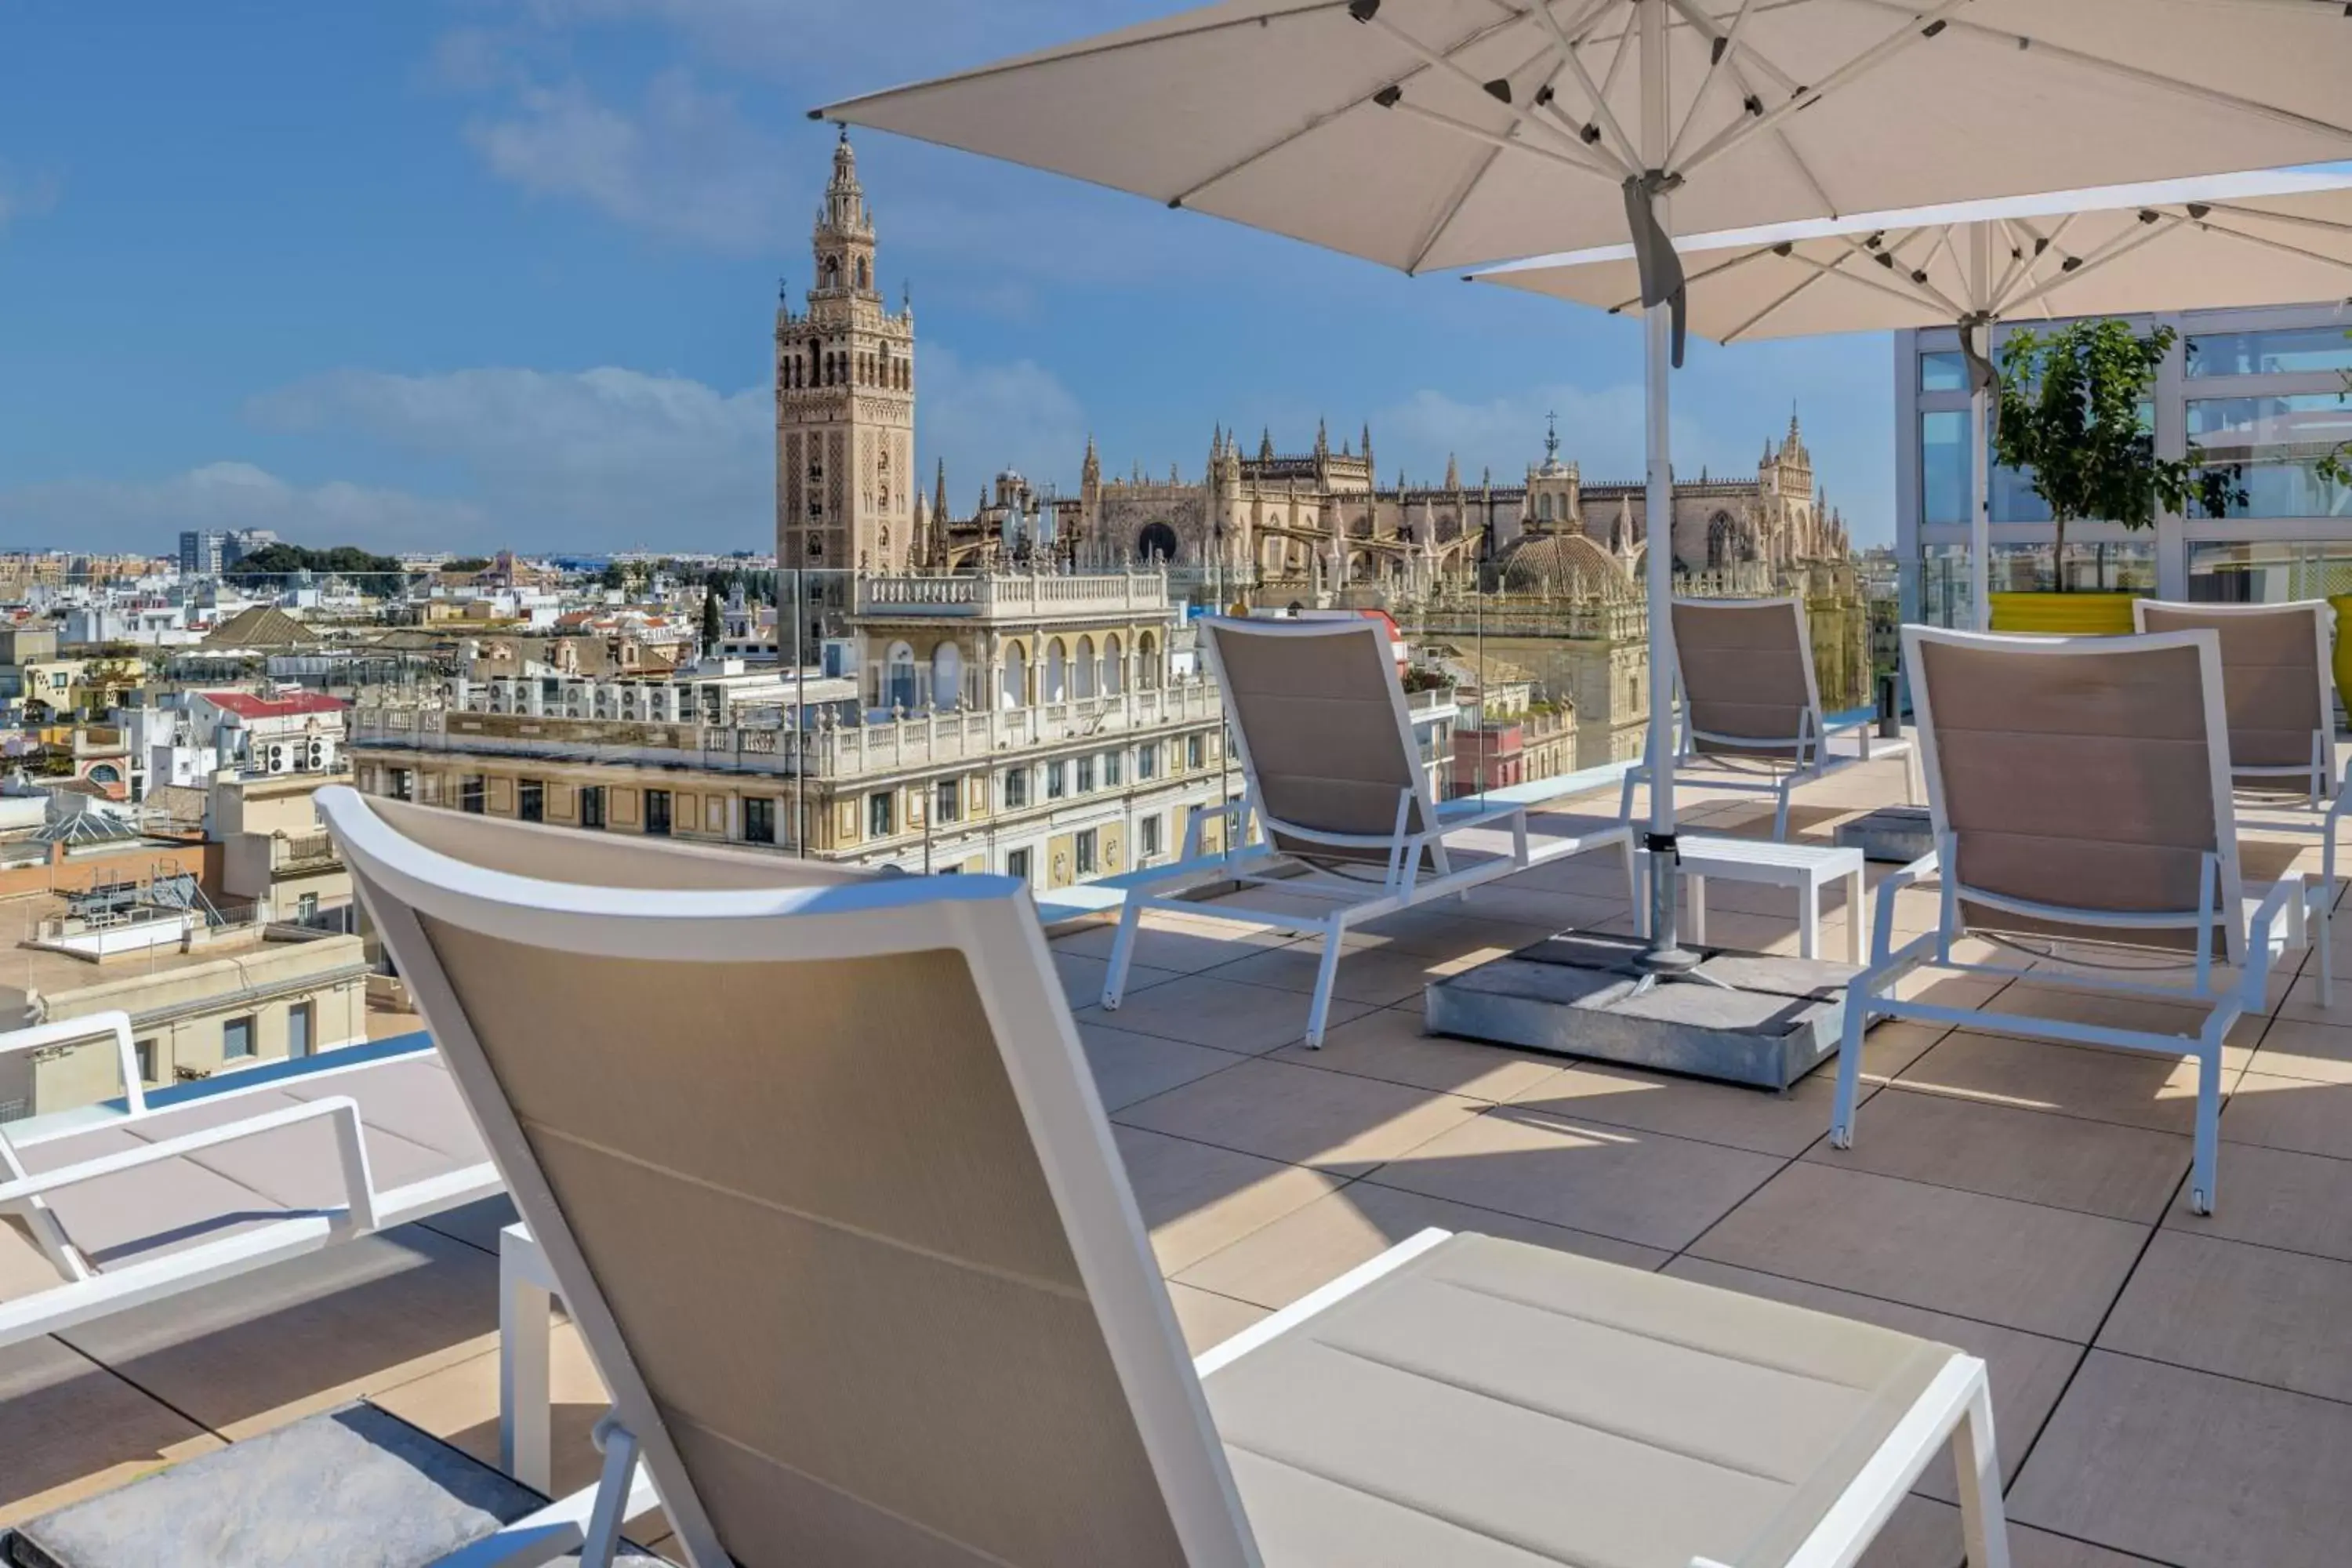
(1761, 1020)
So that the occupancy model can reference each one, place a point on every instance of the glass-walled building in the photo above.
(2262, 391)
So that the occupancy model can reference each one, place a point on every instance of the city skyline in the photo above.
(518, 290)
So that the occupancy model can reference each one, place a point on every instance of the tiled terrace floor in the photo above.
(2168, 1389)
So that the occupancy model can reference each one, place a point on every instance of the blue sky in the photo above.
(470, 273)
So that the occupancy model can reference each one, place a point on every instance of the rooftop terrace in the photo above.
(2168, 1389)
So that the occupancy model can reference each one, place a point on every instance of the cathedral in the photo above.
(846, 495)
(1323, 518)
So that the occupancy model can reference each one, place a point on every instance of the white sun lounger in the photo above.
(1350, 828)
(823, 1181)
(97, 1217)
(2080, 795)
(1751, 708)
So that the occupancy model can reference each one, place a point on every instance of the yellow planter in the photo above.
(2342, 604)
(2063, 615)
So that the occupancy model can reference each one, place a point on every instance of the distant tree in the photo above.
(466, 565)
(380, 575)
(615, 577)
(713, 630)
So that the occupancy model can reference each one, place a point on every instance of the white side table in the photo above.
(1808, 867)
(526, 1409)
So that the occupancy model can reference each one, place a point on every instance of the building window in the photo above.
(1947, 371)
(2296, 350)
(306, 909)
(1147, 761)
(1088, 845)
(530, 800)
(759, 820)
(1147, 835)
(1196, 752)
(472, 794)
(404, 783)
(1016, 788)
(591, 805)
(300, 1022)
(2272, 447)
(1058, 779)
(657, 812)
(1111, 769)
(236, 1038)
(880, 814)
(1944, 467)
(1017, 864)
(1085, 774)
(948, 805)
(143, 1051)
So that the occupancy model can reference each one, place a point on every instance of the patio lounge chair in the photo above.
(1751, 710)
(2079, 790)
(2276, 688)
(1339, 789)
(107, 1211)
(866, 1281)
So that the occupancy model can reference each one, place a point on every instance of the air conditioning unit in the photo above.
(318, 756)
(278, 757)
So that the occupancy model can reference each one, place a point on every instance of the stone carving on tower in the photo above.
(845, 480)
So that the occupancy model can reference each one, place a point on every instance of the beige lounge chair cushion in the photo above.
(2082, 782)
(1497, 1404)
(1317, 715)
(2270, 680)
(1744, 677)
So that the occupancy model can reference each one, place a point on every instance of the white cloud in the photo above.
(794, 40)
(1600, 429)
(685, 163)
(26, 195)
(613, 457)
(121, 515)
(984, 418)
(606, 457)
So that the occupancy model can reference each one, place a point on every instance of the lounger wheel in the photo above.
(1840, 1137)
(2200, 1201)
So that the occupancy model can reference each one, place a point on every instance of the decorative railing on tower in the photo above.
(1011, 594)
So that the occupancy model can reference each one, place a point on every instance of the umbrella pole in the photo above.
(1980, 386)
(1666, 955)
(1980, 510)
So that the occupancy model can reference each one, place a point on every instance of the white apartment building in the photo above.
(1030, 726)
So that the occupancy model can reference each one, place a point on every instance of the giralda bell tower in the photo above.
(845, 402)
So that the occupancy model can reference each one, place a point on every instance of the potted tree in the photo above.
(2070, 411)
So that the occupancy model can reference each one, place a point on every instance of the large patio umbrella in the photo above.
(1424, 133)
(2267, 238)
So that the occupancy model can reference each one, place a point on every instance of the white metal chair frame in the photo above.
(1809, 760)
(2280, 922)
(1354, 899)
(2321, 773)
(990, 921)
(87, 1292)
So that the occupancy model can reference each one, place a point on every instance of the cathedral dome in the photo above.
(1564, 563)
